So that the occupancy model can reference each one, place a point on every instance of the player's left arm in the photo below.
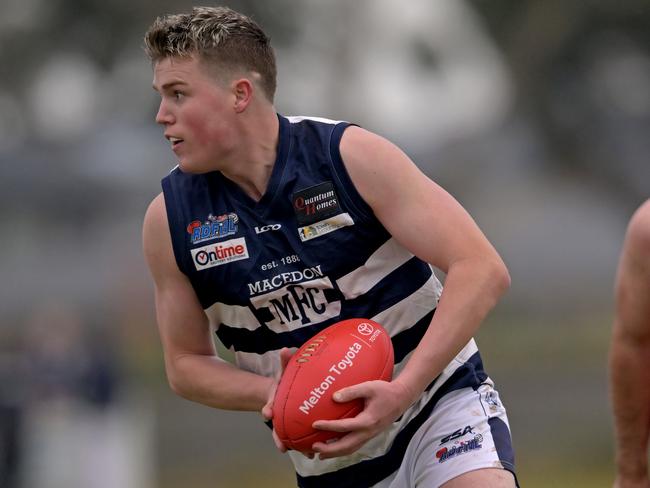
(629, 355)
(431, 224)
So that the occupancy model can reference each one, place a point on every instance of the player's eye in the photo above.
(178, 95)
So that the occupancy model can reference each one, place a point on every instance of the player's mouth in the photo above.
(175, 142)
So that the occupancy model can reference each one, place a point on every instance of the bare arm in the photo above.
(431, 224)
(630, 355)
(193, 369)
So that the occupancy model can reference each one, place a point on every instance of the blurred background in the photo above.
(535, 114)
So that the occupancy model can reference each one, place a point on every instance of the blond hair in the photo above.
(220, 37)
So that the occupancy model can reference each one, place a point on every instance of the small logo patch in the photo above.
(492, 399)
(446, 453)
(315, 203)
(266, 228)
(220, 253)
(213, 228)
(323, 227)
(456, 434)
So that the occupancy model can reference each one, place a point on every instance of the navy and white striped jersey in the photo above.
(309, 253)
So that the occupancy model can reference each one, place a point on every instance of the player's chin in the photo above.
(188, 165)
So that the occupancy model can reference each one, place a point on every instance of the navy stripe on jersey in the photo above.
(389, 291)
(503, 443)
(407, 340)
(372, 471)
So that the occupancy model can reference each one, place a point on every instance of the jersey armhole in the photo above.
(174, 222)
(343, 178)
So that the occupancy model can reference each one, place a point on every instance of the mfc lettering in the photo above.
(294, 305)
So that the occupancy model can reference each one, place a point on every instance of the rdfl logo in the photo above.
(264, 228)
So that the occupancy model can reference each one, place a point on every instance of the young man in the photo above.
(273, 228)
(630, 355)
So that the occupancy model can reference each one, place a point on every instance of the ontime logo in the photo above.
(221, 253)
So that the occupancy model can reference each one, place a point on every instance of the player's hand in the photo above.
(384, 402)
(267, 409)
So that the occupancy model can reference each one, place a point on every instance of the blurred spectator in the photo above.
(11, 418)
(76, 432)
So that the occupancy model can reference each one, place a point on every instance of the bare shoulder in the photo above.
(377, 167)
(156, 239)
(415, 210)
(360, 145)
(155, 212)
(638, 233)
(155, 223)
(361, 149)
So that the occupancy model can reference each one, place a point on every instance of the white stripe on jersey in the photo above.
(267, 364)
(408, 311)
(294, 119)
(233, 315)
(390, 256)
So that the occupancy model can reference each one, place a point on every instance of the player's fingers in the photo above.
(342, 425)
(362, 390)
(285, 356)
(278, 443)
(267, 410)
(344, 446)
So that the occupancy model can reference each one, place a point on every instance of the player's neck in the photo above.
(253, 162)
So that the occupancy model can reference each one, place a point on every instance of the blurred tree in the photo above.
(582, 69)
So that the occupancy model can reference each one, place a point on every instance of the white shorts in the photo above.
(468, 430)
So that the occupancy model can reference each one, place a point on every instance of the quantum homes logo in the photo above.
(213, 228)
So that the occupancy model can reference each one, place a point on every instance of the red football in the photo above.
(344, 354)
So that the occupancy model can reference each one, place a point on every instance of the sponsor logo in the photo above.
(213, 228)
(365, 328)
(220, 253)
(336, 370)
(315, 203)
(266, 228)
(446, 453)
(456, 434)
(492, 399)
(323, 227)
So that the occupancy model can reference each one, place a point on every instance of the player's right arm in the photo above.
(630, 355)
(194, 371)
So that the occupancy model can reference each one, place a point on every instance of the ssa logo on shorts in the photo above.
(219, 253)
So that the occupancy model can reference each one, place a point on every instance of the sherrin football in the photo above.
(344, 354)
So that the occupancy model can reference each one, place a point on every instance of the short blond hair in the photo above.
(220, 37)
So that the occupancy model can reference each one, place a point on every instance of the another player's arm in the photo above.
(193, 369)
(431, 224)
(630, 354)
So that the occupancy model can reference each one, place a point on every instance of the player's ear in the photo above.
(243, 90)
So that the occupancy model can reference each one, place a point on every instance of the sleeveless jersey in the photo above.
(272, 273)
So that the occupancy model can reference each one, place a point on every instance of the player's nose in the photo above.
(164, 115)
